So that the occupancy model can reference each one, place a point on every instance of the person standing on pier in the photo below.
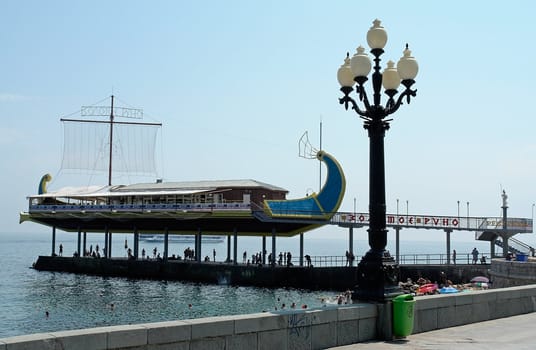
(454, 256)
(61, 249)
(214, 254)
(308, 260)
(475, 255)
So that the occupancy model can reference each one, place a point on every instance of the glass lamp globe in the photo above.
(360, 63)
(391, 79)
(407, 66)
(345, 76)
(376, 36)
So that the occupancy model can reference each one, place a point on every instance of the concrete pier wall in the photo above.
(317, 278)
(455, 273)
(505, 273)
(294, 329)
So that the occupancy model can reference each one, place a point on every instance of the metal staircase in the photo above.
(516, 246)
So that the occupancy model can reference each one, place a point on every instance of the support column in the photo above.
(53, 240)
(136, 243)
(105, 253)
(492, 247)
(198, 245)
(79, 242)
(109, 251)
(166, 244)
(448, 245)
(264, 250)
(301, 249)
(84, 245)
(397, 244)
(505, 224)
(351, 243)
(235, 246)
(274, 259)
(506, 244)
(228, 248)
(196, 252)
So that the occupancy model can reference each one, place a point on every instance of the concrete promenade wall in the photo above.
(294, 329)
(449, 310)
(297, 329)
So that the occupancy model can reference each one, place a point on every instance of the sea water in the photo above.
(79, 301)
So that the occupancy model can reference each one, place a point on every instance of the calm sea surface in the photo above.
(78, 301)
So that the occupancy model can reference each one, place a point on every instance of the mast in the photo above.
(320, 162)
(111, 140)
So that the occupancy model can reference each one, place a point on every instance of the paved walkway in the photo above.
(516, 332)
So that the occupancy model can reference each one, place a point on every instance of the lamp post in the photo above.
(378, 271)
(532, 220)
(467, 214)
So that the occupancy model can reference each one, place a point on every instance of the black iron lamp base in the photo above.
(378, 275)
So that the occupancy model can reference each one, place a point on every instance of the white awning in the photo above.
(100, 192)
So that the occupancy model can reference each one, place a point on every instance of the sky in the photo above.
(236, 83)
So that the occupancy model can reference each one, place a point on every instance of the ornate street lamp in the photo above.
(377, 270)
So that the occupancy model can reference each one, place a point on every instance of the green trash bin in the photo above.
(403, 315)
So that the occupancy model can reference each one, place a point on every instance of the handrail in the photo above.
(405, 259)
(516, 246)
(137, 207)
(343, 219)
(516, 225)
(525, 247)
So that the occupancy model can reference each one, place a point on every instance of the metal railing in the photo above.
(341, 261)
(329, 260)
(517, 225)
(442, 259)
(138, 207)
(405, 259)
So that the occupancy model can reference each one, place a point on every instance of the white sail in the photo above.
(87, 147)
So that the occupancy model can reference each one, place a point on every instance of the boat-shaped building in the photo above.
(231, 207)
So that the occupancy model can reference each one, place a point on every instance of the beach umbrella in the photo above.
(480, 279)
